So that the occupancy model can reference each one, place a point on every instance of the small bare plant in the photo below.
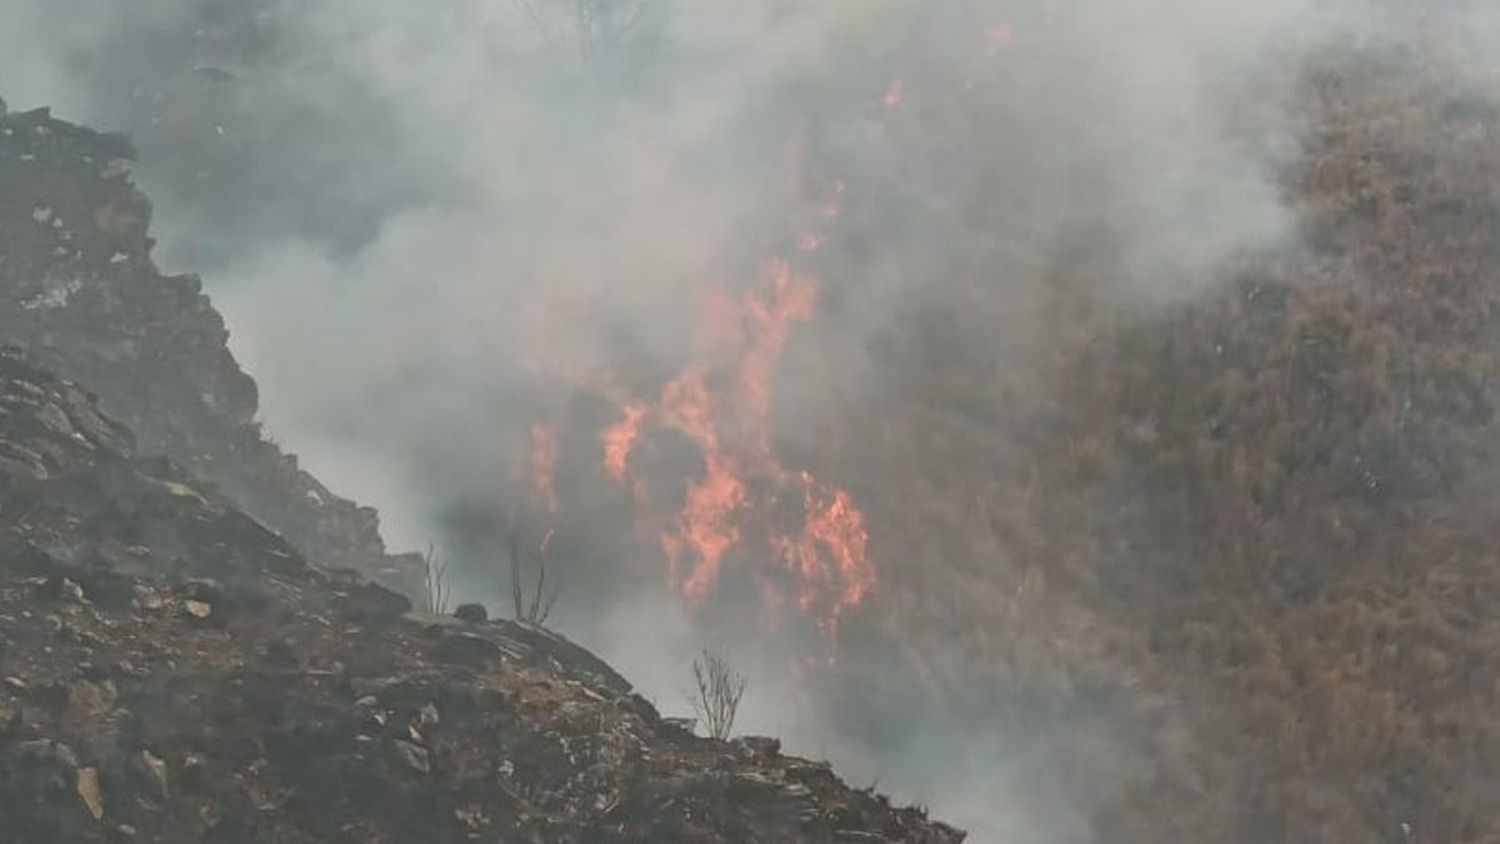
(534, 605)
(720, 689)
(439, 591)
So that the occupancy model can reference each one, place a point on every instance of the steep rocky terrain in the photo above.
(81, 293)
(172, 671)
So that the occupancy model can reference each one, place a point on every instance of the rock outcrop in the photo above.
(79, 291)
(172, 671)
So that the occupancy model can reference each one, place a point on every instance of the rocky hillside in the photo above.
(172, 671)
(79, 291)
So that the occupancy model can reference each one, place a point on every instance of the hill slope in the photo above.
(81, 293)
(172, 671)
(1238, 552)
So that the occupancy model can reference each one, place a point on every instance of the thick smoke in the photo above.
(427, 223)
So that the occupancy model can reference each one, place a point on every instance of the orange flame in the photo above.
(724, 408)
(790, 298)
(542, 465)
(619, 439)
(895, 93)
(829, 555)
(706, 526)
(999, 38)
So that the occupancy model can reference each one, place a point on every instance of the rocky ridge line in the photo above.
(80, 292)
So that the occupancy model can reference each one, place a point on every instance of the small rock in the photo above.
(88, 790)
(148, 599)
(471, 816)
(760, 746)
(198, 609)
(60, 589)
(71, 591)
(16, 683)
(428, 717)
(472, 613)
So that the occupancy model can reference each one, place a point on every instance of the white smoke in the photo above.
(402, 207)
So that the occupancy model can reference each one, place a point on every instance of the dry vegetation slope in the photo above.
(1320, 442)
(1254, 536)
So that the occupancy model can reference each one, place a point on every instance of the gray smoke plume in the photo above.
(421, 219)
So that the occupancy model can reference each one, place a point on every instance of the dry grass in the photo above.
(1256, 531)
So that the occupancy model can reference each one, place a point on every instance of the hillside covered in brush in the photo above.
(1228, 563)
(1088, 409)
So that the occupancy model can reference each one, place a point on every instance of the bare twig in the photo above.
(535, 607)
(439, 591)
(720, 689)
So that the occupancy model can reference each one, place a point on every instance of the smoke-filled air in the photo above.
(1072, 416)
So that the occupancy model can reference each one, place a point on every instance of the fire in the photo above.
(542, 466)
(831, 548)
(619, 439)
(790, 298)
(798, 540)
(723, 406)
(895, 93)
(706, 526)
(999, 38)
(809, 242)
